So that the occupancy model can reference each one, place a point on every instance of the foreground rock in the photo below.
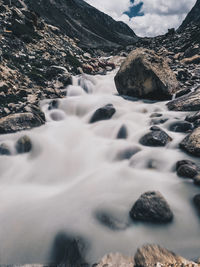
(191, 143)
(23, 145)
(152, 255)
(186, 169)
(190, 102)
(155, 138)
(104, 113)
(151, 207)
(19, 122)
(146, 75)
(116, 260)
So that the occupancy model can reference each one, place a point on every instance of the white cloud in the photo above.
(159, 15)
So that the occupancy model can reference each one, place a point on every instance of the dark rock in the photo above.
(197, 180)
(127, 153)
(104, 113)
(146, 75)
(186, 162)
(23, 145)
(193, 117)
(4, 150)
(19, 122)
(183, 92)
(123, 133)
(155, 128)
(151, 207)
(197, 202)
(191, 143)
(68, 250)
(152, 255)
(53, 104)
(155, 138)
(187, 171)
(180, 126)
(156, 115)
(159, 121)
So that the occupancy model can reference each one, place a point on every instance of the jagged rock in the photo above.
(23, 145)
(146, 75)
(180, 126)
(151, 207)
(68, 250)
(104, 113)
(191, 143)
(190, 102)
(153, 255)
(155, 138)
(19, 122)
(116, 260)
(4, 150)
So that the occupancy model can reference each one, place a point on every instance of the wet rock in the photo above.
(154, 255)
(116, 260)
(182, 92)
(104, 113)
(186, 162)
(155, 138)
(68, 250)
(191, 143)
(23, 145)
(159, 121)
(127, 153)
(123, 133)
(19, 122)
(190, 102)
(187, 171)
(155, 128)
(53, 104)
(197, 201)
(146, 75)
(156, 115)
(180, 126)
(193, 117)
(197, 180)
(4, 150)
(151, 207)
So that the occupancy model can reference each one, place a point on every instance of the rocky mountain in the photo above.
(192, 17)
(79, 20)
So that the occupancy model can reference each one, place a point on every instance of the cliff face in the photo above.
(77, 19)
(192, 17)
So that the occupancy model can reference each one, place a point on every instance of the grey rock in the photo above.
(155, 138)
(180, 126)
(151, 207)
(123, 133)
(104, 113)
(191, 143)
(4, 150)
(23, 145)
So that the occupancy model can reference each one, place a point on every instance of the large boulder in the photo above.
(154, 255)
(146, 75)
(19, 122)
(116, 260)
(191, 143)
(189, 102)
(151, 207)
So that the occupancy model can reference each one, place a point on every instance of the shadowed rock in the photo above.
(104, 113)
(23, 145)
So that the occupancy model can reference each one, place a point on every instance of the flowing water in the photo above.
(78, 170)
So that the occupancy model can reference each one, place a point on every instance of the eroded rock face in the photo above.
(191, 143)
(146, 75)
(19, 122)
(151, 255)
(190, 102)
(151, 207)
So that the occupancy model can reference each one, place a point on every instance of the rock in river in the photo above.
(104, 113)
(191, 143)
(23, 145)
(155, 138)
(151, 207)
(146, 75)
(19, 122)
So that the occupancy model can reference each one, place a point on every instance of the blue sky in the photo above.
(146, 17)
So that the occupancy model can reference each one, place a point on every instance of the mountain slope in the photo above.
(192, 17)
(79, 20)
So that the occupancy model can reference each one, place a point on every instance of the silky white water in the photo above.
(74, 171)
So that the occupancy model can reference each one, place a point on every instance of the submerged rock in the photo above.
(127, 153)
(123, 133)
(154, 255)
(197, 201)
(4, 150)
(151, 207)
(146, 75)
(155, 138)
(19, 122)
(191, 143)
(180, 126)
(104, 113)
(23, 145)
